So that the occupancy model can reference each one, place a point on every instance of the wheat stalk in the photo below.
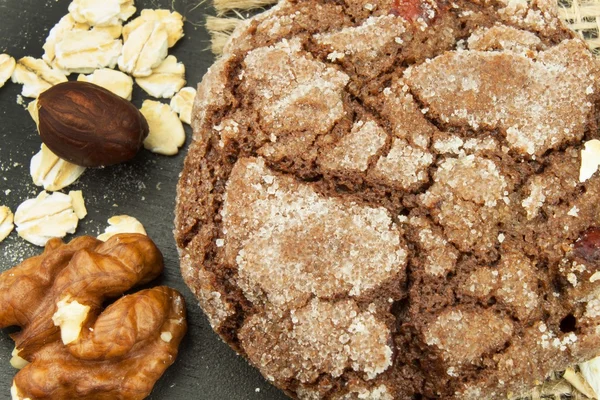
(218, 40)
(569, 384)
(224, 6)
(216, 24)
(582, 16)
(220, 30)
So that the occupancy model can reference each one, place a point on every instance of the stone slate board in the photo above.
(143, 188)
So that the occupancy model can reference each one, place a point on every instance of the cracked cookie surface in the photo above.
(382, 198)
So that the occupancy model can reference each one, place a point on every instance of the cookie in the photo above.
(383, 198)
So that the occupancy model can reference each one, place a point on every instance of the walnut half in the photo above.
(69, 345)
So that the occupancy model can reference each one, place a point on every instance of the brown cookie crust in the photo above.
(382, 199)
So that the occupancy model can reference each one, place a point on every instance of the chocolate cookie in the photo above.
(383, 198)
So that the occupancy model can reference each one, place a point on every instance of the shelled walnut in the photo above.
(70, 346)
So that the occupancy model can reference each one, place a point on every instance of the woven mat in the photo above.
(561, 386)
(582, 16)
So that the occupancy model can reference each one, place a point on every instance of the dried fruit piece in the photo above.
(56, 34)
(86, 51)
(6, 222)
(117, 82)
(70, 346)
(121, 224)
(52, 172)
(45, 217)
(410, 10)
(90, 126)
(101, 12)
(36, 76)
(7, 67)
(145, 48)
(587, 246)
(183, 102)
(166, 131)
(590, 160)
(172, 21)
(166, 79)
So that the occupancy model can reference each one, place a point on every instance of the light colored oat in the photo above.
(101, 12)
(115, 81)
(86, 51)
(183, 102)
(121, 224)
(78, 203)
(579, 382)
(45, 217)
(65, 25)
(145, 49)
(51, 172)
(172, 22)
(166, 131)
(32, 109)
(590, 160)
(166, 79)
(114, 31)
(591, 372)
(36, 76)
(6, 222)
(7, 67)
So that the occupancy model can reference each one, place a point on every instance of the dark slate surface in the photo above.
(144, 188)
